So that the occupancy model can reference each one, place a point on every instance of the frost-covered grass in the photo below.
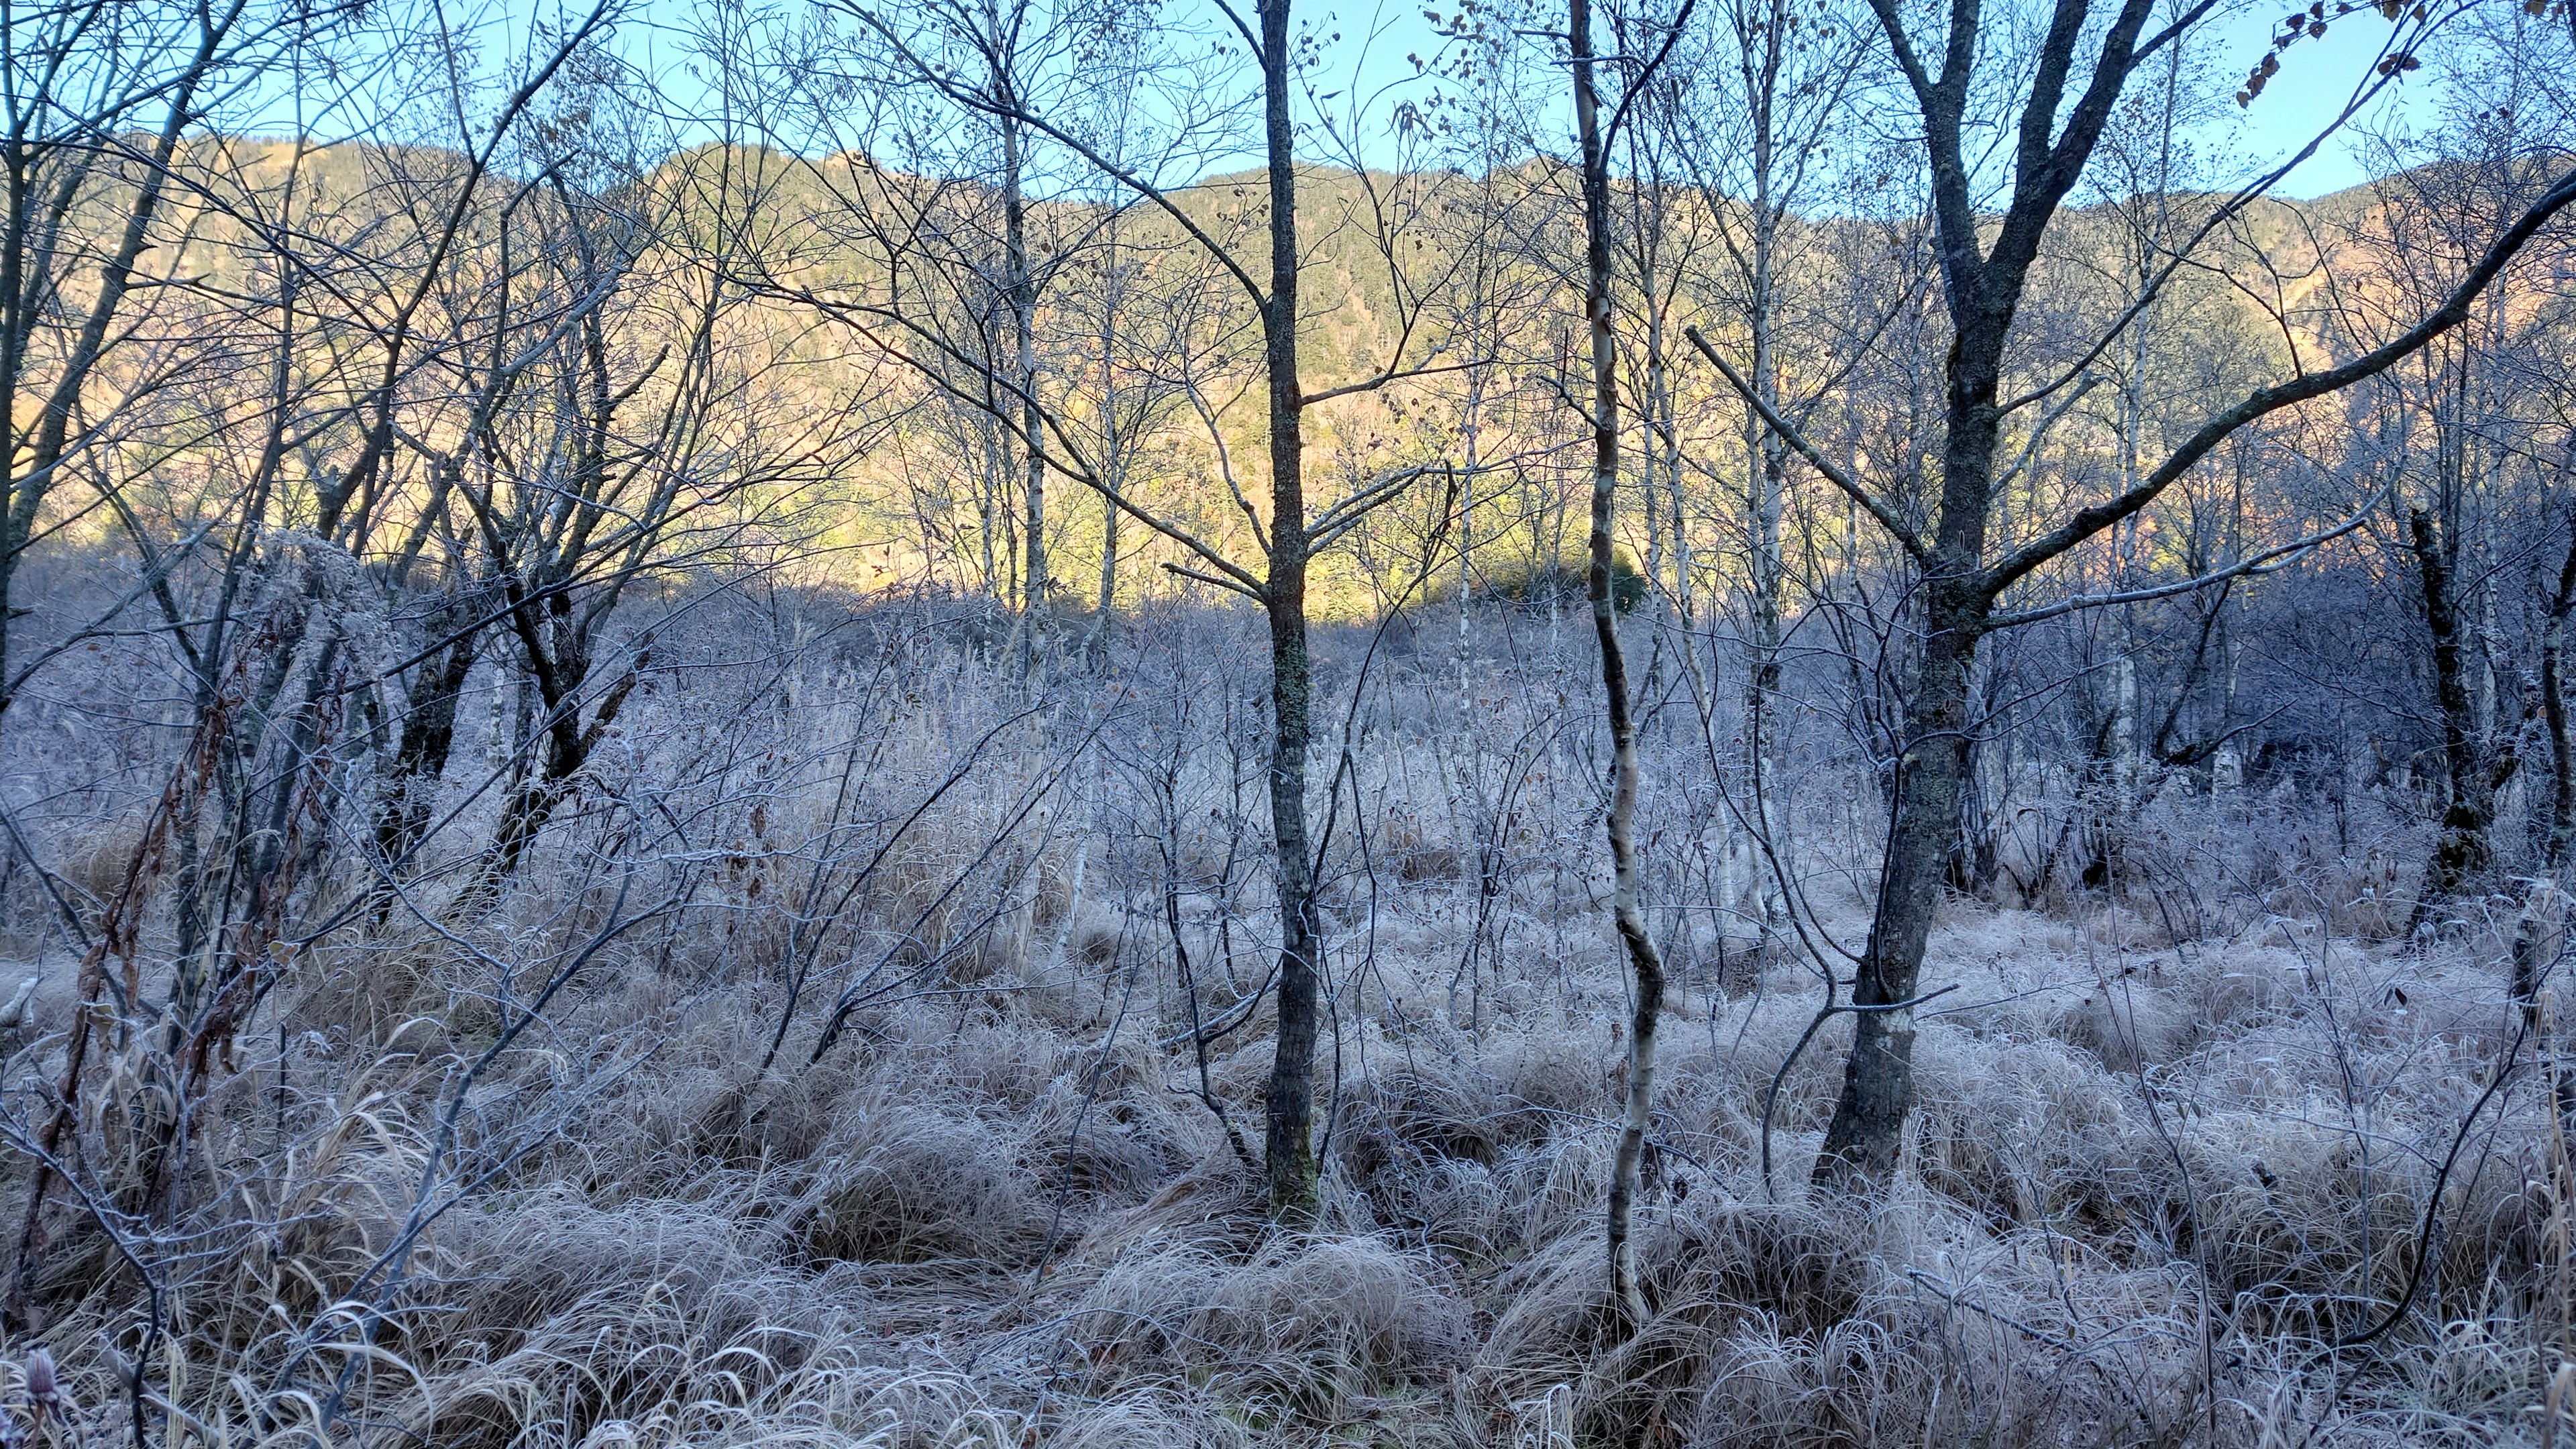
(2175, 1137)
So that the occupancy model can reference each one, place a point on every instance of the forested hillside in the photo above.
(1739, 722)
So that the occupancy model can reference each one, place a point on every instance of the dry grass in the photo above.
(2167, 1150)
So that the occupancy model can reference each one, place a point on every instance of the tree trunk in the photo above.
(1289, 1136)
(1765, 465)
(1878, 1080)
(1629, 914)
(1032, 439)
(524, 814)
(559, 674)
(2553, 706)
(1867, 1131)
(428, 737)
(1095, 643)
(2463, 852)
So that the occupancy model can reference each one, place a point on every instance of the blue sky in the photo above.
(2316, 78)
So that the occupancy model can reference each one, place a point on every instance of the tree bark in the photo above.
(2464, 851)
(1867, 1131)
(2553, 706)
(1095, 644)
(1628, 912)
(1288, 1138)
(428, 738)
(1023, 289)
(1765, 466)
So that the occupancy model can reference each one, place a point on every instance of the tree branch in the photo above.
(2268, 561)
(1797, 439)
(2265, 401)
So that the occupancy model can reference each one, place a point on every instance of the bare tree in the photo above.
(1627, 905)
(2057, 120)
(1290, 534)
(103, 103)
(2457, 439)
